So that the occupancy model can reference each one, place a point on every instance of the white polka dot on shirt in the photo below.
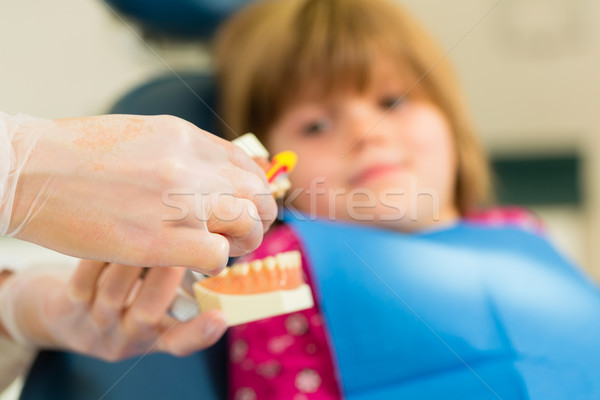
(245, 393)
(239, 350)
(307, 381)
(279, 344)
(296, 324)
(269, 369)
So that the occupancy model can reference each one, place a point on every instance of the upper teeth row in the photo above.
(281, 261)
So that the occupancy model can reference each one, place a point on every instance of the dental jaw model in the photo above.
(260, 289)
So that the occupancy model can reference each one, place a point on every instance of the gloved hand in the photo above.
(109, 311)
(147, 191)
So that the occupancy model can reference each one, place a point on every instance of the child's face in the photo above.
(361, 160)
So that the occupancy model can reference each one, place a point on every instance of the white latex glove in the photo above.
(109, 311)
(147, 191)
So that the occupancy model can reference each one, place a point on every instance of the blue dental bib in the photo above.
(470, 312)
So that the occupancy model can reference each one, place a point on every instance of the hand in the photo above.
(147, 191)
(104, 310)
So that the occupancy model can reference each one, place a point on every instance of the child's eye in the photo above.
(392, 102)
(316, 127)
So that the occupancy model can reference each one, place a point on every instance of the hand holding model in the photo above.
(109, 311)
(147, 191)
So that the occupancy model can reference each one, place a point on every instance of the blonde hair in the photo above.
(266, 55)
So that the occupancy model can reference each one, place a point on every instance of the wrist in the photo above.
(10, 311)
(18, 136)
(23, 296)
(35, 320)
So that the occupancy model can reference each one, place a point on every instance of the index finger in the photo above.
(261, 197)
(82, 285)
(240, 158)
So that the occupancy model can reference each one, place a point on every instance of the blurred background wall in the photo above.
(529, 69)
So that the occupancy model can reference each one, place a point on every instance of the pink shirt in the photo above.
(288, 357)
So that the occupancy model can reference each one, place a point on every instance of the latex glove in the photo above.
(103, 310)
(147, 191)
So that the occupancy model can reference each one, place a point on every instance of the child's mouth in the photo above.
(377, 172)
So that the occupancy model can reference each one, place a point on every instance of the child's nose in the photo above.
(365, 125)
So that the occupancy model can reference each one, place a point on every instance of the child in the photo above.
(372, 109)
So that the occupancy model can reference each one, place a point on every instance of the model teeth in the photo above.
(290, 260)
(256, 265)
(281, 272)
(240, 269)
(270, 263)
(282, 261)
(223, 273)
(280, 187)
(296, 259)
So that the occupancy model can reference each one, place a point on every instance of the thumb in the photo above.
(185, 338)
(198, 250)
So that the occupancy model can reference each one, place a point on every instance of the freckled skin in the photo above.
(106, 135)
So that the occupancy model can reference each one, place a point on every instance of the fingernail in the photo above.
(215, 328)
